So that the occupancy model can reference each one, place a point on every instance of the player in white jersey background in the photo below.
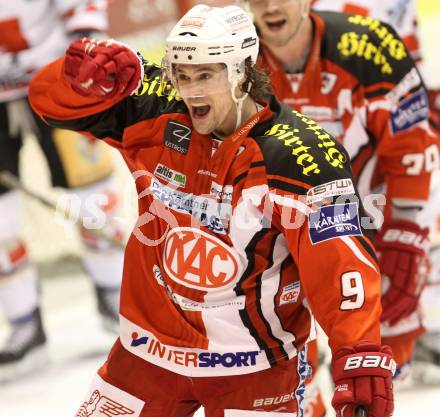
(31, 35)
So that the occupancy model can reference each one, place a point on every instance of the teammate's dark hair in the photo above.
(258, 79)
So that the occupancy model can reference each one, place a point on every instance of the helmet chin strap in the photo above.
(239, 104)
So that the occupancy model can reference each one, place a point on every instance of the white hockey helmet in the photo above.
(208, 35)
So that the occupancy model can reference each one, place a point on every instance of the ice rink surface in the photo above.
(78, 344)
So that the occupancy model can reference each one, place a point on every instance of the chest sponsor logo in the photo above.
(169, 175)
(177, 137)
(193, 359)
(237, 303)
(330, 189)
(411, 111)
(102, 405)
(334, 221)
(207, 173)
(221, 192)
(212, 214)
(290, 293)
(199, 260)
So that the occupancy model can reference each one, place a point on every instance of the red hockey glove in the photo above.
(403, 260)
(363, 378)
(102, 68)
(434, 104)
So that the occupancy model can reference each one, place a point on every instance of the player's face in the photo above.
(206, 92)
(278, 20)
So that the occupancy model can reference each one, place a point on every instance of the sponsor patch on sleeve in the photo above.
(333, 221)
(410, 111)
(290, 293)
(335, 188)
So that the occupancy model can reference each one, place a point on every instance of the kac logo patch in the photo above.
(290, 293)
(177, 137)
(333, 221)
(199, 260)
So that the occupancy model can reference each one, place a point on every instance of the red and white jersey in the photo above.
(231, 251)
(34, 33)
(401, 14)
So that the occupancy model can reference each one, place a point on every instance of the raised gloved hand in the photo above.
(403, 260)
(104, 68)
(363, 378)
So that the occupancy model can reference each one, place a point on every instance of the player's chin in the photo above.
(203, 127)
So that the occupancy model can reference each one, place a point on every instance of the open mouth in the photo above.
(276, 25)
(200, 111)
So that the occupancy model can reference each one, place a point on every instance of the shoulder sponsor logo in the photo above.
(330, 189)
(334, 221)
(101, 405)
(411, 80)
(290, 293)
(363, 46)
(199, 260)
(177, 137)
(411, 111)
(301, 152)
(154, 85)
(325, 142)
(169, 175)
(211, 214)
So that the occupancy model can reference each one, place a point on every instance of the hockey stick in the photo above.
(11, 182)
(360, 411)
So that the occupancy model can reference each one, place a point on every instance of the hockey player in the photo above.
(356, 78)
(31, 35)
(402, 15)
(246, 209)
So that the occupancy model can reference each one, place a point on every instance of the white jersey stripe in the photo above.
(270, 284)
(350, 243)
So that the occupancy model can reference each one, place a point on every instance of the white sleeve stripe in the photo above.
(350, 243)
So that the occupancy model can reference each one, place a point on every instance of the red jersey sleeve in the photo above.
(319, 212)
(52, 97)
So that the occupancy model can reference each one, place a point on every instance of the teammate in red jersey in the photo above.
(354, 75)
(403, 16)
(247, 209)
(32, 34)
